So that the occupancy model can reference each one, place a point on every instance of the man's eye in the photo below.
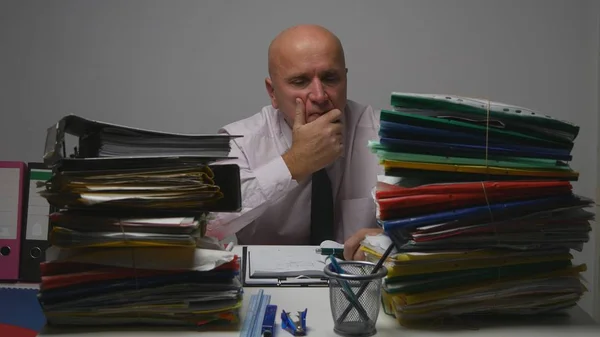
(330, 79)
(298, 82)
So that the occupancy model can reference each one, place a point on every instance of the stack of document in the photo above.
(178, 185)
(128, 243)
(78, 229)
(102, 139)
(139, 286)
(481, 213)
(116, 142)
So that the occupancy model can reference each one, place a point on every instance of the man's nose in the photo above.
(317, 93)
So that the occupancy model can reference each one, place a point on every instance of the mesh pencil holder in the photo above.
(355, 297)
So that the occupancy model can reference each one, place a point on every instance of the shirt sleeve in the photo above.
(371, 120)
(260, 187)
(375, 116)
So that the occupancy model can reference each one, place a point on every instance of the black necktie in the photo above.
(321, 210)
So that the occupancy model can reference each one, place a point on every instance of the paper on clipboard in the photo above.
(281, 265)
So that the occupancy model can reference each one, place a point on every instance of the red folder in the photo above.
(397, 202)
(12, 175)
(79, 273)
(385, 190)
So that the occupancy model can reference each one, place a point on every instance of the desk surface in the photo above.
(320, 322)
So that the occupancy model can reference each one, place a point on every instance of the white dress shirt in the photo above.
(275, 207)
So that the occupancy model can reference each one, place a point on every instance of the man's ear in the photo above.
(271, 91)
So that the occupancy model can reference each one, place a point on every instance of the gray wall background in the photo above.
(596, 298)
(193, 66)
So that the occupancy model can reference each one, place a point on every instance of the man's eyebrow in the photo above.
(295, 76)
(327, 72)
(330, 72)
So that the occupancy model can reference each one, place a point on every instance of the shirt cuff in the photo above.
(275, 179)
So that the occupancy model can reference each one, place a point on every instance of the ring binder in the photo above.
(12, 180)
(36, 223)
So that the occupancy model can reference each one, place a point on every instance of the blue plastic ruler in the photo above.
(255, 314)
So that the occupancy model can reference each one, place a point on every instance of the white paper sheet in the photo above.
(145, 257)
(285, 261)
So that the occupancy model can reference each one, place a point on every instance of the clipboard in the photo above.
(283, 281)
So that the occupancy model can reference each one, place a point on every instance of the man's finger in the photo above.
(340, 147)
(359, 255)
(333, 116)
(300, 118)
(348, 254)
(351, 246)
(337, 128)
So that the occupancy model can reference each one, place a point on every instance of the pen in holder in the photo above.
(345, 280)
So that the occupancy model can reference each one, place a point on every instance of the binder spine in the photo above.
(89, 145)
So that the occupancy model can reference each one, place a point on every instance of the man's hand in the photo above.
(314, 145)
(351, 251)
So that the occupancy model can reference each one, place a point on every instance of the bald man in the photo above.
(307, 173)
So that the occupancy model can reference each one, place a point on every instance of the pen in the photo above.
(337, 252)
(348, 293)
(229, 246)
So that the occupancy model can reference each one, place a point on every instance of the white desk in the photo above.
(320, 323)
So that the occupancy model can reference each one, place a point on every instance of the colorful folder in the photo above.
(12, 179)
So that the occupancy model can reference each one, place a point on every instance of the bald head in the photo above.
(302, 39)
(306, 62)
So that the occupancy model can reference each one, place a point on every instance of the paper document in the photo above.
(152, 258)
(285, 261)
(97, 139)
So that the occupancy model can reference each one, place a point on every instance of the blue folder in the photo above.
(480, 213)
(405, 131)
(58, 295)
(463, 150)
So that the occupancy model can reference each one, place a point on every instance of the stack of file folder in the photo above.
(479, 205)
(128, 243)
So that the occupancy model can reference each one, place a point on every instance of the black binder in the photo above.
(35, 225)
(102, 146)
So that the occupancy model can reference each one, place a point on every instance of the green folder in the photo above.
(514, 117)
(509, 162)
(452, 125)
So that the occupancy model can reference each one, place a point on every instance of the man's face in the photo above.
(312, 71)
